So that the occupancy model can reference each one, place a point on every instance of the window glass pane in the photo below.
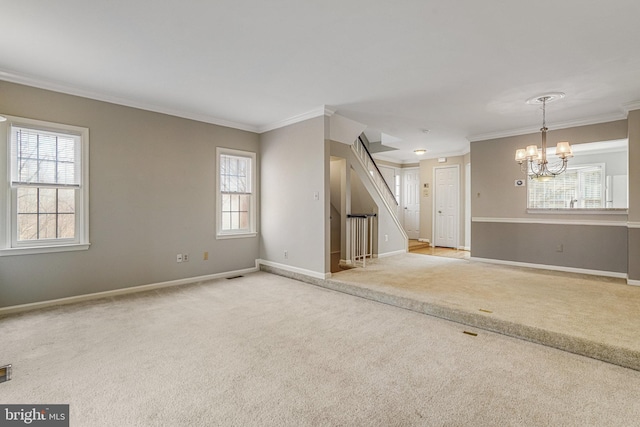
(47, 226)
(27, 226)
(66, 226)
(226, 202)
(235, 221)
(66, 200)
(27, 200)
(226, 221)
(47, 199)
(244, 221)
(245, 199)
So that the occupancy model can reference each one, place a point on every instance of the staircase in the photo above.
(375, 176)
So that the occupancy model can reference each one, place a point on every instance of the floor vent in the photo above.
(234, 277)
(5, 373)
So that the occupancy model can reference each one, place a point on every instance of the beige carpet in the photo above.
(589, 315)
(269, 351)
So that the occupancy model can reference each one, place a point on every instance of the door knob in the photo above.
(439, 211)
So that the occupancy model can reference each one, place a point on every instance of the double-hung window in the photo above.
(236, 198)
(46, 189)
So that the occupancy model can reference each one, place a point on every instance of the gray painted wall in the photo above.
(152, 195)
(295, 166)
(601, 248)
(494, 196)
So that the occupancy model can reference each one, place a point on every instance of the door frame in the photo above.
(456, 233)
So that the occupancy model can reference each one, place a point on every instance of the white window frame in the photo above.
(9, 244)
(232, 234)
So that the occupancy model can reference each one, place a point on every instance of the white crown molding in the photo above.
(635, 105)
(71, 90)
(316, 112)
(604, 118)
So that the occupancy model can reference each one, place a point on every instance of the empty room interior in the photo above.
(320, 213)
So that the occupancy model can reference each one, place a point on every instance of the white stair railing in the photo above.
(376, 176)
(389, 199)
(361, 238)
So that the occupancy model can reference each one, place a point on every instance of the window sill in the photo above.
(235, 235)
(580, 211)
(33, 250)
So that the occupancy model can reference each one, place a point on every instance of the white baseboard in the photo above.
(424, 241)
(293, 269)
(633, 282)
(124, 291)
(388, 254)
(553, 267)
(464, 248)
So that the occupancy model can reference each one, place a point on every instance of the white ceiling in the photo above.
(462, 69)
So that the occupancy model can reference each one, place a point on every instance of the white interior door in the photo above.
(411, 202)
(446, 206)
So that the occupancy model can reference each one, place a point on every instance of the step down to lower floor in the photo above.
(5, 373)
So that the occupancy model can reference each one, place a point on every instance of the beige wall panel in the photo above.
(152, 195)
(293, 174)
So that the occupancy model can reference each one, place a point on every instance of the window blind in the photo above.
(44, 158)
(578, 187)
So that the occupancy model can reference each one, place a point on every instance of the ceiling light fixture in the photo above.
(420, 151)
(533, 159)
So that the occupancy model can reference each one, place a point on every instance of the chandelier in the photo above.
(533, 159)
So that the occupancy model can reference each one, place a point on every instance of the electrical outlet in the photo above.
(185, 258)
(386, 237)
(205, 257)
(286, 254)
(559, 248)
(179, 258)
